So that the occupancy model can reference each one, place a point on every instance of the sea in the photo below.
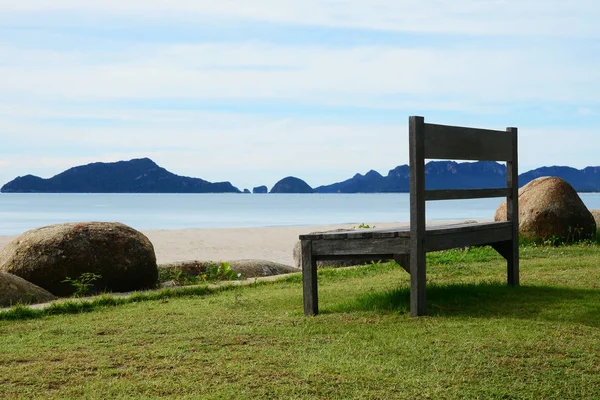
(21, 212)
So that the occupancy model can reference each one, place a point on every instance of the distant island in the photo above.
(145, 176)
(292, 184)
(135, 176)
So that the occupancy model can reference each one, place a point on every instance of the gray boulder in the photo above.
(549, 208)
(247, 268)
(15, 290)
(46, 256)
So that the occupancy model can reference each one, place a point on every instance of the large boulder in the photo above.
(122, 256)
(15, 290)
(549, 208)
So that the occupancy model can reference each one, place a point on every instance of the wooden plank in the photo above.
(512, 209)
(379, 234)
(401, 231)
(468, 238)
(461, 194)
(357, 257)
(418, 275)
(433, 230)
(459, 143)
(359, 246)
(309, 279)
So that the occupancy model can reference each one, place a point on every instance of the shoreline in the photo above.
(227, 244)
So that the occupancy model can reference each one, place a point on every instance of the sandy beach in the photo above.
(269, 243)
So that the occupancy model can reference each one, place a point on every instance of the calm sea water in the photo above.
(21, 212)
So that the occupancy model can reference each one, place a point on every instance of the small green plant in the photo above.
(84, 285)
(211, 272)
(364, 226)
(220, 272)
(177, 275)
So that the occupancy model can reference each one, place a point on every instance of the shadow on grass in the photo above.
(490, 300)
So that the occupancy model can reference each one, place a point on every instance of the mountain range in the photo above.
(145, 176)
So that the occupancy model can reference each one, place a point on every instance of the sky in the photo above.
(251, 91)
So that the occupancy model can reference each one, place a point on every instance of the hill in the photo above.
(144, 176)
(438, 175)
(291, 184)
(134, 176)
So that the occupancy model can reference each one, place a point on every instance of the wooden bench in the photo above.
(408, 245)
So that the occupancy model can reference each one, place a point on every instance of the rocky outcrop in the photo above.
(250, 268)
(260, 190)
(246, 191)
(122, 256)
(259, 268)
(291, 184)
(549, 208)
(134, 176)
(15, 290)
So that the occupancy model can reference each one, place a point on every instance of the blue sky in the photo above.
(253, 91)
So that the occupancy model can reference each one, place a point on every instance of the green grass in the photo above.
(481, 340)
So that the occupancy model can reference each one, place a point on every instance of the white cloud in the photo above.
(358, 76)
(551, 17)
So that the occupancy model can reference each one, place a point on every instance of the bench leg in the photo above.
(309, 279)
(510, 251)
(512, 262)
(418, 277)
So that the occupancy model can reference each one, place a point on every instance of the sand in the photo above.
(269, 243)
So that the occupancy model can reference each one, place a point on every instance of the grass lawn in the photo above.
(482, 339)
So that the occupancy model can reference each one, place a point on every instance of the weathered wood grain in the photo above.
(512, 209)
(460, 143)
(309, 279)
(462, 194)
(418, 275)
(340, 247)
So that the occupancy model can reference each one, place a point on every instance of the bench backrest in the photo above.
(431, 141)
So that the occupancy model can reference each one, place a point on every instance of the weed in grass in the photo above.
(84, 285)
(221, 272)
(211, 272)
(363, 226)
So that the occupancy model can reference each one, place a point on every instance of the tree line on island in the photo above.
(145, 176)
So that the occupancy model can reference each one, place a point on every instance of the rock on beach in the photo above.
(549, 208)
(48, 255)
